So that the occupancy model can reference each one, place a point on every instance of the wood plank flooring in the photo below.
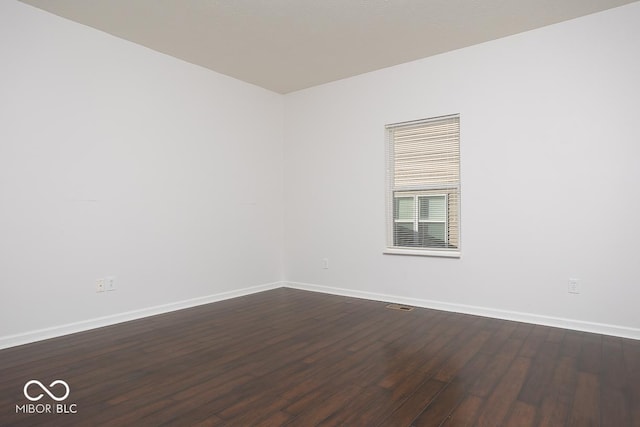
(294, 358)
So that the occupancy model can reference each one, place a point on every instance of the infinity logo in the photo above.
(51, 395)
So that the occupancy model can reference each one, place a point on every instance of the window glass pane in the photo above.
(403, 234)
(433, 208)
(432, 235)
(403, 208)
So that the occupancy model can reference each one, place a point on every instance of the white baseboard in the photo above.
(70, 328)
(84, 325)
(558, 322)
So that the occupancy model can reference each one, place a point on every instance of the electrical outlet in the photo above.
(573, 286)
(100, 285)
(110, 283)
(325, 263)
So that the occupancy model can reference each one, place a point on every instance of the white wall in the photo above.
(118, 160)
(550, 144)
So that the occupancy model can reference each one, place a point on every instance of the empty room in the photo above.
(319, 213)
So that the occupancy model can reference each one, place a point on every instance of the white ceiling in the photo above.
(287, 45)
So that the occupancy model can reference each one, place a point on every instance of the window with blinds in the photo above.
(423, 197)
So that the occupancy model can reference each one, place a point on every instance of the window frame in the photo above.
(391, 194)
(415, 221)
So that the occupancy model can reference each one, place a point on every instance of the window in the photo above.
(423, 175)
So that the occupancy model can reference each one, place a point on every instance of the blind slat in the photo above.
(426, 153)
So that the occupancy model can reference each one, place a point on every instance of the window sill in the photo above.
(418, 252)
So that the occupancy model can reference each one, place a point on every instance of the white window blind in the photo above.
(423, 175)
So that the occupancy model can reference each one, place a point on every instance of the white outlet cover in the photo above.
(573, 286)
(110, 284)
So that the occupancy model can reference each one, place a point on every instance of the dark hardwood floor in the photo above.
(296, 358)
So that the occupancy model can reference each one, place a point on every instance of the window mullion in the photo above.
(416, 214)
